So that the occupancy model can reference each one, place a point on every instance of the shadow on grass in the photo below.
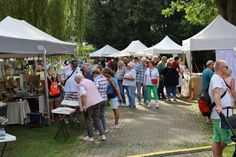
(35, 142)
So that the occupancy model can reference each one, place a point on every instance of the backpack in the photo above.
(204, 101)
(54, 89)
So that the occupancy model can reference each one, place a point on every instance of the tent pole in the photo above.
(46, 85)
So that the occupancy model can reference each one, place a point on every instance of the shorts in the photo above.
(219, 134)
(114, 103)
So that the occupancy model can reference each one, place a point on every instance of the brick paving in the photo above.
(145, 130)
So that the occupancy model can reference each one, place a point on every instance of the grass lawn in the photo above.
(36, 142)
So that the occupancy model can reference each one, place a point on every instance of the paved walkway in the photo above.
(146, 130)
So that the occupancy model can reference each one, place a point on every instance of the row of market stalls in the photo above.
(18, 40)
(137, 48)
(219, 36)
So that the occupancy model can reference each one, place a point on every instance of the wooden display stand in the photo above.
(195, 86)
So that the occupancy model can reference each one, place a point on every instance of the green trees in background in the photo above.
(63, 19)
(201, 12)
(118, 22)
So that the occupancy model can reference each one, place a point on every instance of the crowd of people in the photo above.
(141, 79)
(115, 81)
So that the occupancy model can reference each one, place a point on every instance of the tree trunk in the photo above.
(227, 9)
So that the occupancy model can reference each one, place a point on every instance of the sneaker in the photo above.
(115, 126)
(148, 105)
(106, 131)
(97, 132)
(102, 138)
(88, 139)
(157, 105)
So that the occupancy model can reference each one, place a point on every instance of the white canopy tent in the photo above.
(104, 52)
(165, 46)
(19, 39)
(131, 49)
(219, 35)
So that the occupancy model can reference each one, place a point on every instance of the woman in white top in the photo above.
(129, 82)
(151, 81)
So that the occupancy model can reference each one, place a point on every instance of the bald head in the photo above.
(218, 64)
(221, 68)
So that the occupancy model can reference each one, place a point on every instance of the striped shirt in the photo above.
(101, 84)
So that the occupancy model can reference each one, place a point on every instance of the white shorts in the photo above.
(114, 103)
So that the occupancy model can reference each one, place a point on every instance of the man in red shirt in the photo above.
(175, 64)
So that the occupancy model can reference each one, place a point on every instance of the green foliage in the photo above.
(63, 19)
(197, 12)
(119, 22)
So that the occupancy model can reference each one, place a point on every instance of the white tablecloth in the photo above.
(16, 112)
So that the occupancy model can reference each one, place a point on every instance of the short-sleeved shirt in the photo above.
(81, 92)
(71, 85)
(101, 84)
(206, 77)
(130, 73)
(110, 88)
(160, 66)
(151, 74)
(120, 73)
(140, 71)
(218, 82)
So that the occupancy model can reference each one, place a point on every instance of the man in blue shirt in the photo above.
(207, 74)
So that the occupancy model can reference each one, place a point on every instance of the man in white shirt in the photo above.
(217, 89)
(70, 85)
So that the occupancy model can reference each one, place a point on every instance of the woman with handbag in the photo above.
(151, 81)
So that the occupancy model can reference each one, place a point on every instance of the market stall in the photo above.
(18, 78)
(131, 49)
(165, 46)
(219, 35)
(104, 52)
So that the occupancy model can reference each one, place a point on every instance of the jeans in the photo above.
(122, 91)
(151, 89)
(131, 95)
(161, 89)
(139, 85)
(93, 114)
(102, 113)
(171, 90)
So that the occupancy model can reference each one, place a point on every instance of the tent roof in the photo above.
(104, 51)
(219, 34)
(165, 46)
(134, 46)
(19, 37)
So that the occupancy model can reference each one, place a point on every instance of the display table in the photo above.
(16, 112)
(5, 139)
(63, 114)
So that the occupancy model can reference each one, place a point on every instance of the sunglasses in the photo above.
(225, 66)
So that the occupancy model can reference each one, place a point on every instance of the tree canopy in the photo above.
(119, 22)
